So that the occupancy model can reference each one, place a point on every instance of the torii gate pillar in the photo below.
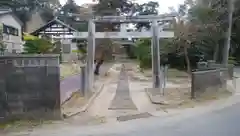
(155, 55)
(90, 54)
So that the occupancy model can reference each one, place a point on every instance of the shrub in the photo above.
(38, 46)
(143, 53)
(232, 60)
(130, 51)
(27, 37)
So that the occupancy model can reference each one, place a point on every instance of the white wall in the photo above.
(69, 42)
(68, 57)
(12, 42)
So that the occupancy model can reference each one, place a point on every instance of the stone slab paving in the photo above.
(134, 116)
(139, 97)
(122, 99)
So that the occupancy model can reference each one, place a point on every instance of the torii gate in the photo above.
(155, 33)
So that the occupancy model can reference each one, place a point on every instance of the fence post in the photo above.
(193, 86)
(83, 85)
(164, 78)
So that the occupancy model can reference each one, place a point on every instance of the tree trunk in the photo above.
(97, 67)
(187, 60)
(216, 52)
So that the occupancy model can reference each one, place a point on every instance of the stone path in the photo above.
(122, 99)
(72, 83)
(119, 99)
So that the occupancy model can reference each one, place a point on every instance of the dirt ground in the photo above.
(75, 103)
(180, 95)
(179, 98)
(171, 73)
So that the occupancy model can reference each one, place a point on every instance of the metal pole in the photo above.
(155, 55)
(228, 34)
(90, 54)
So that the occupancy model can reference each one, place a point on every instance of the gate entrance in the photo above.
(156, 32)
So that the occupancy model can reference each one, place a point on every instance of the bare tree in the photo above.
(2, 44)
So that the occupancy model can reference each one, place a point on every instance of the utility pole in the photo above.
(229, 33)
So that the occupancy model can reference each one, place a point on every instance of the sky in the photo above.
(164, 4)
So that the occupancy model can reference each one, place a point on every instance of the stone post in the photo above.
(155, 55)
(83, 86)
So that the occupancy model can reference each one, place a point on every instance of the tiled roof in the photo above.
(50, 23)
(4, 11)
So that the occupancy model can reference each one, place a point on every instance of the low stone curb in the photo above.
(69, 98)
(87, 105)
(63, 78)
(155, 96)
(90, 101)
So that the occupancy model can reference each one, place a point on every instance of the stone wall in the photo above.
(220, 66)
(212, 65)
(208, 81)
(29, 87)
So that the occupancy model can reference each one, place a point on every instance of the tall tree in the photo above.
(24, 8)
(65, 13)
(2, 44)
(183, 34)
(107, 8)
(150, 8)
(104, 47)
(113, 7)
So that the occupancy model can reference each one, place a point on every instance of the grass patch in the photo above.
(16, 125)
(171, 73)
(177, 73)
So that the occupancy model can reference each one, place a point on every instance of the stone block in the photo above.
(208, 81)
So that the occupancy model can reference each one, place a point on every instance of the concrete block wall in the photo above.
(29, 87)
